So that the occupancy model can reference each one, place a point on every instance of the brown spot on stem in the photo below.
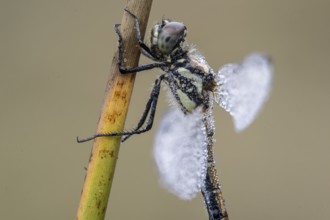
(112, 154)
(98, 204)
(120, 84)
(117, 94)
(124, 95)
(111, 118)
(104, 153)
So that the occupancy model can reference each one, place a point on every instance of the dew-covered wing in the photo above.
(243, 88)
(180, 153)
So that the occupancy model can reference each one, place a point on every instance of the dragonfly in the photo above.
(184, 143)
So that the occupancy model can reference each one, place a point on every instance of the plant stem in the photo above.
(102, 161)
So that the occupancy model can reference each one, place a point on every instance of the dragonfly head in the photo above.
(168, 36)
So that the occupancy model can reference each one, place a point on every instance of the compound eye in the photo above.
(170, 36)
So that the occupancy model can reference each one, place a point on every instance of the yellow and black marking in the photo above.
(187, 84)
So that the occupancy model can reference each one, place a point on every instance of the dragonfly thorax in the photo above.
(190, 82)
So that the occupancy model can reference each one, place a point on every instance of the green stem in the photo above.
(103, 158)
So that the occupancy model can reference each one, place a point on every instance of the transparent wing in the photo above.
(180, 153)
(243, 88)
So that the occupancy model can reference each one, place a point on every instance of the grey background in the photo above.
(54, 63)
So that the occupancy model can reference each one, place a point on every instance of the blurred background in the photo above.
(54, 63)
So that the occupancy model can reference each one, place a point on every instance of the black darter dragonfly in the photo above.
(184, 142)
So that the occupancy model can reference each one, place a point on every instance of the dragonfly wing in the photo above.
(243, 88)
(180, 153)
